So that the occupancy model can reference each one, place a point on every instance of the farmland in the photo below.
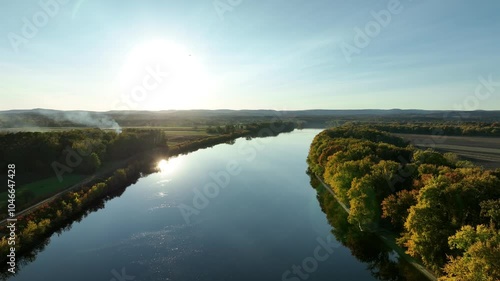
(483, 151)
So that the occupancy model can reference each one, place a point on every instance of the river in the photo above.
(241, 211)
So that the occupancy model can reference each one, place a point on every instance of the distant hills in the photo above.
(312, 118)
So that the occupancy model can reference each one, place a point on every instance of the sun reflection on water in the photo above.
(168, 166)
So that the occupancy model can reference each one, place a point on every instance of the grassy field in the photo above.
(483, 151)
(177, 135)
(43, 188)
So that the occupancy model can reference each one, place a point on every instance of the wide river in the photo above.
(242, 211)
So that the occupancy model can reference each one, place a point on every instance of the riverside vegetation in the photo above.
(445, 210)
(34, 229)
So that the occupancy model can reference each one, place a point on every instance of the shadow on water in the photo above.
(28, 255)
(382, 262)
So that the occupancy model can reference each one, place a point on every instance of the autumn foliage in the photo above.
(445, 209)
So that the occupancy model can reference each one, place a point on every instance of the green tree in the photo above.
(481, 255)
(341, 175)
(363, 202)
(95, 162)
(491, 209)
(427, 226)
(430, 156)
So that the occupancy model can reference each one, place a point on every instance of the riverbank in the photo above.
(44, 219)
(387, 237)
(90, 180)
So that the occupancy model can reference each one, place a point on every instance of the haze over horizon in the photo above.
(284, 55)
(246, 109)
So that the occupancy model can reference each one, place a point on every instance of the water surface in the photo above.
(258, 218)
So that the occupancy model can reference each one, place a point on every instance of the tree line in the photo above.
(484, 129)
(444, 209)
(262, 129)
(40, 155)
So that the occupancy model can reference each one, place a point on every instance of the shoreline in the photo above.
(131, 163)
(386, 239)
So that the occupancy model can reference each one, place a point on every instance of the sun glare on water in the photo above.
(160, 74)
(169, 166)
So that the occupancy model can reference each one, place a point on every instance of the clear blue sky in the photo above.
(92, 54)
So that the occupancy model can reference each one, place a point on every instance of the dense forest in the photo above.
(445, 210)
(40, 155)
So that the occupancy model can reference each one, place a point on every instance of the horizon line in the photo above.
(261, 109)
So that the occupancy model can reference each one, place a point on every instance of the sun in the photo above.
(160, 74)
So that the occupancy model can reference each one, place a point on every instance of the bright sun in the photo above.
(159, 74)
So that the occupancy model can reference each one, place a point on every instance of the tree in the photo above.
(95, 162)
(430, 156)
(491, 209)
(119, 178)
(447, 202)
(396, 207)
(481, 255)
(427, 227)
(362, 199)
(341, 175)
(29, 232)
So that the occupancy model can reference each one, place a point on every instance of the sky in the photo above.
(242, 54)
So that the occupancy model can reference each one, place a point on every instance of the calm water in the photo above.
(263, 222)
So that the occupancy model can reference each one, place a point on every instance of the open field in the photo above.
(43, 188)
(483, 151)
(200, 129)
(47, 189)
(47, 186)
(176, 135)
